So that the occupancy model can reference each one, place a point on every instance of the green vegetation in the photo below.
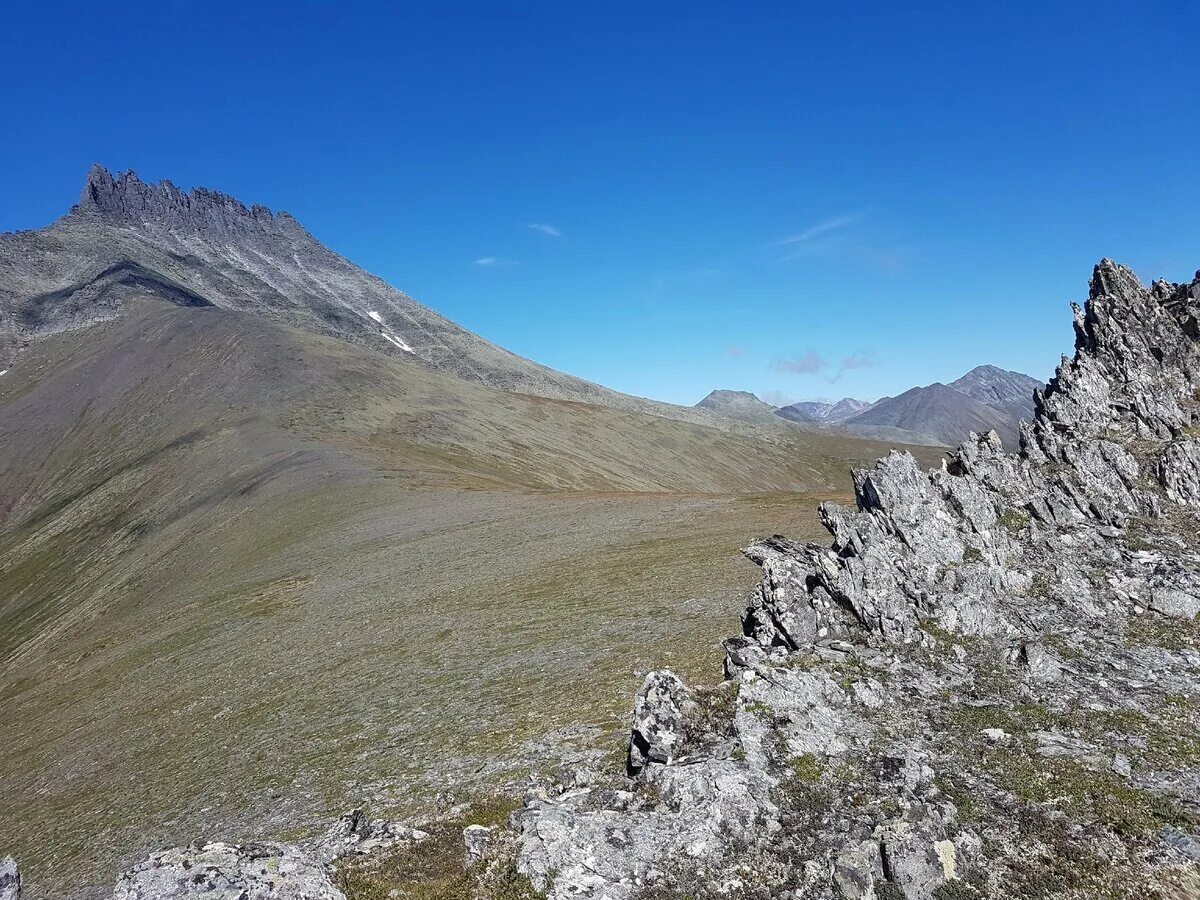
(434, 869)
(806, 767)
(1014, 521)
(713, 714)
(1151, 630)
(1089, 794)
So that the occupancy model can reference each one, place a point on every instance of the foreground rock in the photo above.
(984, 686)
(228, 872)
(10, 879)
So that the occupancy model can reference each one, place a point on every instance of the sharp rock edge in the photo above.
(984, 686)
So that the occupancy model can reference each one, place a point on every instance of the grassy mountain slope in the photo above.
(250, 575)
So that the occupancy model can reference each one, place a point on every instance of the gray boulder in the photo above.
(658, 715)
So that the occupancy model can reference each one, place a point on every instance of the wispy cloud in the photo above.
(808, 364)
(824, 227)
(837, 237)
(495, 261)
(544, 229)
(813, 363)
(736, 352)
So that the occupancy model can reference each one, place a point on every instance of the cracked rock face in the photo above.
(658, 714)
(986, 681)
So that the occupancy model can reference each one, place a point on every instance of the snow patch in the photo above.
(399, 343)
(3, 371)
(376, 316)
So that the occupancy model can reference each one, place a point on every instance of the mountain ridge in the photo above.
(127, 238)
(984, 399)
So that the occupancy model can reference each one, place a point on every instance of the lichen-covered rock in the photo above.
(354, 834)
(216, 871)
(657, 732)
(476, 840)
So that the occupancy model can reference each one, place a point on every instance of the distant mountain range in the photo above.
(987, 398)
(818, 411)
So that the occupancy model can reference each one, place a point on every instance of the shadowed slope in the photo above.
(941, 413)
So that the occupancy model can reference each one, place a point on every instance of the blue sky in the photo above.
(667, 198)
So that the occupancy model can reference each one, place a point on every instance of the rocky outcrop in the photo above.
(987, 678)
(658, 715)
(355, 835)
(126, 198)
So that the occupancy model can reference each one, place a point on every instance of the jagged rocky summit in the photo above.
(985, 686)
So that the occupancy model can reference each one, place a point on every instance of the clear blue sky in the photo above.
(772, 197)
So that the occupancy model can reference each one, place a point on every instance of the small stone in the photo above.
(477, 839)
(1121, 765)
(995, 735)
(657, 732)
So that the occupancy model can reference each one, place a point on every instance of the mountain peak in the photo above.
(124, 197)
(738, 405)
(994, 385)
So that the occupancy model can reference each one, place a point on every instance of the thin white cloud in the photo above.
(544, 229)
(835, 223)
(495, 261)
(776, 398)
